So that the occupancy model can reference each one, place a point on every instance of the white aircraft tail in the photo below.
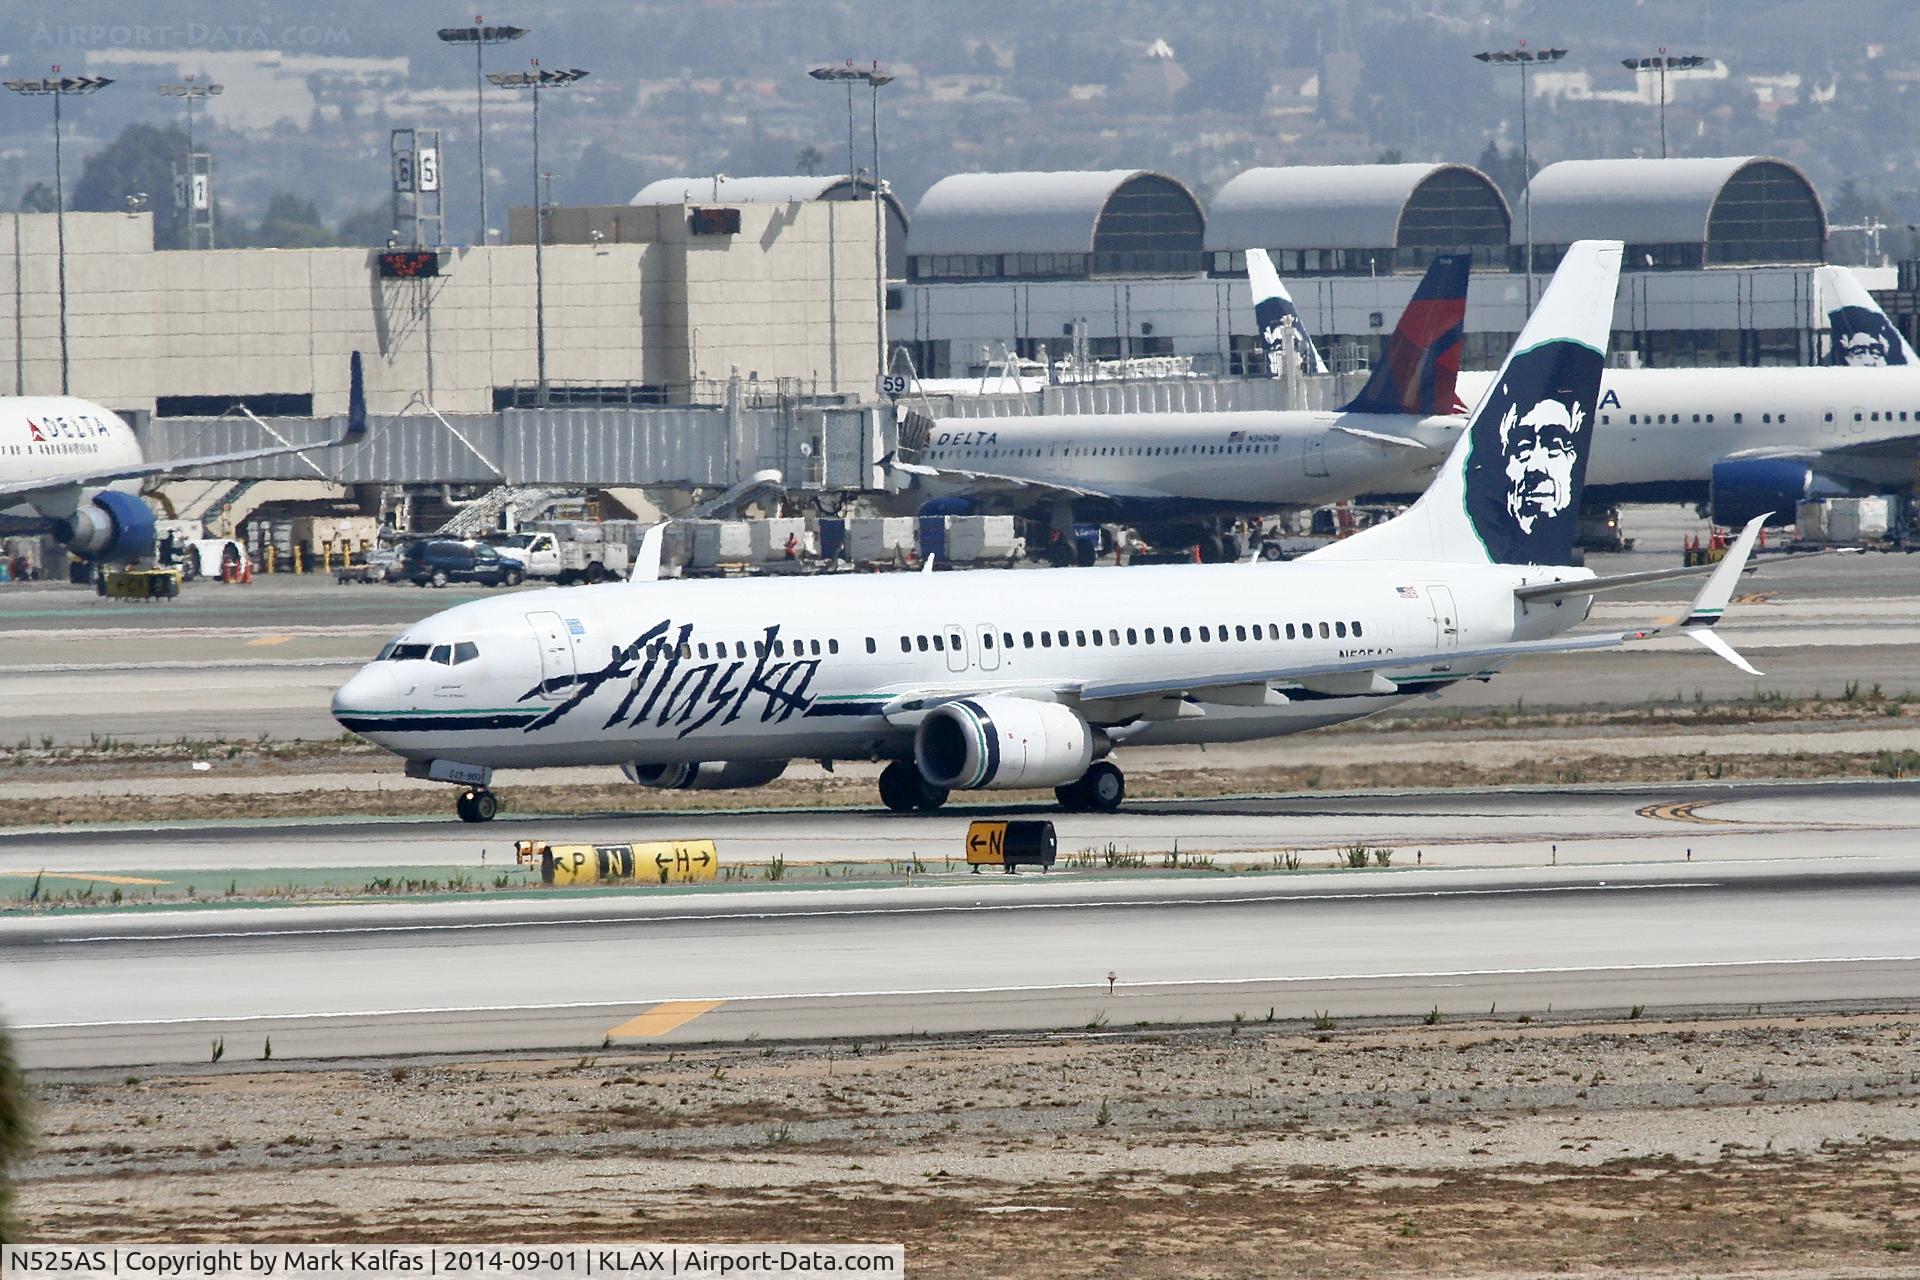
(1273, 309)
(1509, 493)
(1861, 333)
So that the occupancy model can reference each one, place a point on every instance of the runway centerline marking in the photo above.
(663, 1018)
(1687, 966)
(258, 641)
(85, 875)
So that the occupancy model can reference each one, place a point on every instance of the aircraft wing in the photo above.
(354, 432)
(1363, 673)
(1381, 437)
(1031, 484)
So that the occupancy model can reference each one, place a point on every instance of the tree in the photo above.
(369, 227)
(291, 223)
(141, 160)
(810, 159)
(38, 198)
(16, 1133)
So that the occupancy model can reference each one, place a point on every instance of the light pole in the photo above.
(57, 87)
(480, 37)
(874, 78)
(1524, 58)
(194, 91)
(1661, 62)
(535, 80)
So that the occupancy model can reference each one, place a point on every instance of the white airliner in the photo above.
(1736, 441)
(75, 467)
(986, 681)
(1174, 474)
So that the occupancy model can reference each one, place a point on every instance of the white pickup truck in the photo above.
(564, 560)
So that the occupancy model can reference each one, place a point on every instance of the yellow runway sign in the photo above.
(986, 843)
(658, 862)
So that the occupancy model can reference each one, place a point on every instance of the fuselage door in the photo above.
(1446, 617)
(956, 647)
(1315, 457)
(557, 669)
(988, 647)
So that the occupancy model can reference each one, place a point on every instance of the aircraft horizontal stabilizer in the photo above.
(1381, 437)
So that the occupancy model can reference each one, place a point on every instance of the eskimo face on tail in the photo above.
(1863, 336)
(1531, 440)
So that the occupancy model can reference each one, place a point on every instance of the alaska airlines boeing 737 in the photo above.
(77, 467)
(987, 681)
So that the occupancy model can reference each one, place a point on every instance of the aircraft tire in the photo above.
(900, 786)
(929, 797)
(1104, 788)
(1072, 797)
(476, 804)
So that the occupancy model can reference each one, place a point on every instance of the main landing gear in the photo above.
(904, 790)
(476, 804)
(1100, 789)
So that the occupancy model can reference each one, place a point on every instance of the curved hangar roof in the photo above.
(1741, 208)
(790, 189)
(1358, 206)
(1105, 211)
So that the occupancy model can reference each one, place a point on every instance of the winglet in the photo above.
(1712, 601)
(356, 403)
(646, 562)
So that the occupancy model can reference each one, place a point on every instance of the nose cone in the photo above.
(371, 691)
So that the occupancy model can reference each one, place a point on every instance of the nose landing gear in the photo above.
(476, 804)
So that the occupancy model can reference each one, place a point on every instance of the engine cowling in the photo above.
(1747, 487)
(108, 526)
(709, 775)
(996, 743)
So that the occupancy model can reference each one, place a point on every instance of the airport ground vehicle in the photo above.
(586, 556)
(434, 562)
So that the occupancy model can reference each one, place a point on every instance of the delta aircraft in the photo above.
(75, 469)
(1173, 474)
(988, 681)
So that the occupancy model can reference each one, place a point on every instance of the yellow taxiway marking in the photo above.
(663, 1018)
(263, 640)
(1686, 812)
(85, 875)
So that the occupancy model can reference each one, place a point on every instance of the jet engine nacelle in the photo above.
(1747, 487)
(996, 743)
(710, 775)
(108, 526)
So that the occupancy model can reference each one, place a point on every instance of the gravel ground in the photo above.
(1749, 1144)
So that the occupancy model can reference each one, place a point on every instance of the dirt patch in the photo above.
(1758, 1145)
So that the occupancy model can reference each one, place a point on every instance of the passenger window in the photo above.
(1063, 639)
(1113, 635)
(1306, 631)
(1186, 635)
(1290, 631)
(703, 648)
(833, 646)
(1148, 634)
(1323, 631)
(1239, 633)
(465, 651)
(442, 654)
(686, 650)
(1098, 639)
(906, 645)
(1046, 639)
(779, 648)
(939, 644)
(1166, 634)
(1696, 417)
(986, 639)
(1006, 639)
(1026, 639)
(1133, 636)
(1340, 630)
(1633, 419)
(1766, 417)
(871, 646)
(1204, 637)
(1709, 419)
(1356, 630)
(922, 642)
(1606, 418)
(1736, 419)
(1080, 638)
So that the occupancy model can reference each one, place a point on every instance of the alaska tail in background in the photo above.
(1862, 334)
(1273, 310)
(1509, 493)
(1422, 361)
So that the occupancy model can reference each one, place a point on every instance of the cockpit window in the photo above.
(442, 654)
(465, 651)
(407, 652)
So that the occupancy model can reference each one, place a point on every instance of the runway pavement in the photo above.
(1805, 897)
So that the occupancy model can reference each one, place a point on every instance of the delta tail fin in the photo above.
(1509, 493)
(1422, 361)
(1273, 310)
(1862, 335)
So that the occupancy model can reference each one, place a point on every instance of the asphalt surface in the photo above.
(981, 955)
